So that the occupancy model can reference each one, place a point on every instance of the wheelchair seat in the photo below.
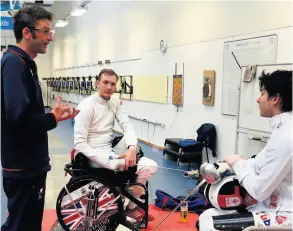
(80, 166)
(95, 197)
(118, 179)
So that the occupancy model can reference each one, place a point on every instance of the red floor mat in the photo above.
(172, 223)
(49, 219)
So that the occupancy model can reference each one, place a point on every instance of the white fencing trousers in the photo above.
(146, 167)
(261, 219)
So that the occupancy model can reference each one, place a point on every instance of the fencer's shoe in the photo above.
(137, 214)
(191, 174)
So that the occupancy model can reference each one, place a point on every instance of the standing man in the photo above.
(24, 123)
(267, 178)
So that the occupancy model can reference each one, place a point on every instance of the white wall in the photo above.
(7, 37)
(118, 30)
(195, 31)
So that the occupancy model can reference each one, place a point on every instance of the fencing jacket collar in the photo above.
(102, 100)
(278, 120)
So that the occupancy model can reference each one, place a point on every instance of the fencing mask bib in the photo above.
(228, 194)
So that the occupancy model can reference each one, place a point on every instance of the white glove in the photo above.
(212, 173)
(117, 164)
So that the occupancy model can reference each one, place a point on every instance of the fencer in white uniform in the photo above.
(268, 176)
(94, 130)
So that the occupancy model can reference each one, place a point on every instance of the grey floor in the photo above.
(61, 143)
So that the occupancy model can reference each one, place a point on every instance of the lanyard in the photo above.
(22, 58)
(15, 52)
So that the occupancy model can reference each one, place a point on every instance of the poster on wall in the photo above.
(248, 51)
(208, 88)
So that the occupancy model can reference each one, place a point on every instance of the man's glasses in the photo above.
(44, 31)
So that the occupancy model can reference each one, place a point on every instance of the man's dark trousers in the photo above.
(26, 198)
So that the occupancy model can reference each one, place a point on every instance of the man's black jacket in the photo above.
(24, 124)
(207, 134)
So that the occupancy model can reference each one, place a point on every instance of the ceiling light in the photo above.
(78, 11)
(61, 23)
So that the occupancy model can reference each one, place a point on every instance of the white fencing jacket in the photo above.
(268, 177)
(94, 125)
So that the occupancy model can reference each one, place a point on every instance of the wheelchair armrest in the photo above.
(79, 161)
(68, 166)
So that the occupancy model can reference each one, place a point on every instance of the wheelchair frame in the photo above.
(85, 172)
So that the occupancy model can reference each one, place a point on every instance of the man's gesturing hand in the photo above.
(129, 156)
(63, 111)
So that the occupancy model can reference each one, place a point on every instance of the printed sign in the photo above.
(7, 5)
(6, 23)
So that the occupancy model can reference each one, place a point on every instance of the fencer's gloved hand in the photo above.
(213, 173)
(117, 164)
(223, 167)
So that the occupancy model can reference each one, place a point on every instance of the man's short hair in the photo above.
(107, 72)
(278, 83)
(28, 17)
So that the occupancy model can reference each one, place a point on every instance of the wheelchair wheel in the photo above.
(89, 203)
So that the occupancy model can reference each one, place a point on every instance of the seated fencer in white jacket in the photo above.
(94, 131)
(267, 177)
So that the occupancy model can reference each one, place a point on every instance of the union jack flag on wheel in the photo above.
(89, 204)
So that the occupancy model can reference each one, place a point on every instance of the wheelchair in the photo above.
(95, 199)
